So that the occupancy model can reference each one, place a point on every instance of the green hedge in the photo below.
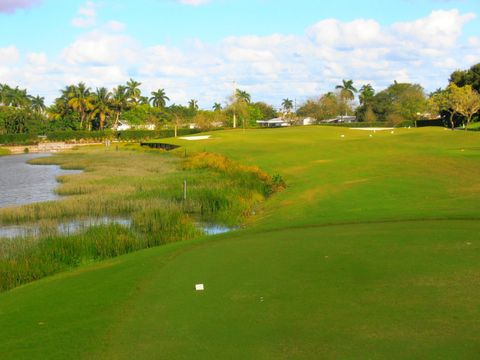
(97, 136)
(405, 123)
(19, 139)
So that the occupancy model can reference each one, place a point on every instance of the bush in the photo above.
(19, 139)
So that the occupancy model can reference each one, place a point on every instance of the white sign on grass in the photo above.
(199, 287)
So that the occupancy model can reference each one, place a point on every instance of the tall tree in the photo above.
(467, 77)
(102, 105)
(81, 102)
(366, 93)
(347, 90)
(468, 103)
(444, 102)
(193, 104)
(217, 107)
(287, 105)
(242, 96)
(159, 98)
(37, 104)
(133, 91)
(119, 102)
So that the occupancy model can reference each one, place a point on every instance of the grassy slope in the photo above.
(353, 290)
(4, 151)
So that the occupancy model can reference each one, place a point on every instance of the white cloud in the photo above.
(269, 67)
(99, 47)
(9, 55)
(440, 29)
(87, 15)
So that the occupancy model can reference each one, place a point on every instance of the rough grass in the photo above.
(357, 258)
(146, 187)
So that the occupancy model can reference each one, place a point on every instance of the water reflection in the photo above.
(65, 228)
(215, 229)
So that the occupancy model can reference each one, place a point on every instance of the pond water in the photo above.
(22, 183)
(76, 226)
(214, 229)
(64, 228)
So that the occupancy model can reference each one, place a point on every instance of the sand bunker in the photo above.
(192, 138)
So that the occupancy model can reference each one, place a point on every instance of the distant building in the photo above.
(340, 120)
(123, 126)
(308, 121)
(273, 123)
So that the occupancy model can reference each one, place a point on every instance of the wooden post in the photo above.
(184, 189)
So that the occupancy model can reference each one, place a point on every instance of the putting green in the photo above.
(371, 252)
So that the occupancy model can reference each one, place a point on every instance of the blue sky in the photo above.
(272, 48)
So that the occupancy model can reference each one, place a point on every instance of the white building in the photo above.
(273, 123)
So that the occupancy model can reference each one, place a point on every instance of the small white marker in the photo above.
(342, 136)
(199, 287)
(392, 132)
(371, 135)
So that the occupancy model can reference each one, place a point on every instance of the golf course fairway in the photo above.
(371, 252)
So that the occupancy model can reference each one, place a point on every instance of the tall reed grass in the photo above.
(143, 185)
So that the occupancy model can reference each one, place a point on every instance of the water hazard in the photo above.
(22, 183)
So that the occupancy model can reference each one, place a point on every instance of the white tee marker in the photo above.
(199, 287)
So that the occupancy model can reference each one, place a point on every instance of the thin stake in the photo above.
(184, 189)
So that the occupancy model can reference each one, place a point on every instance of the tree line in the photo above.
(457, 104)
(78, 107)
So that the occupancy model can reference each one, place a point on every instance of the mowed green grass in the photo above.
(371, 252)
(3, 151)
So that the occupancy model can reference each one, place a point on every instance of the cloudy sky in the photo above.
(272, 48)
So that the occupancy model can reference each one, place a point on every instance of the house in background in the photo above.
(340, 120)
(308, 121)
(273, 123)
(123, 126)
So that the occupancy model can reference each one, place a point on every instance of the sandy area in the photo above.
(205, 137)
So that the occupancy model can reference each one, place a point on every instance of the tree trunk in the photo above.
(452, 124)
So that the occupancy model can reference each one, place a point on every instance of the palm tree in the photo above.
(37, 104)
(133, 92)
(81, 101)
(102, 105)
(119, 102)
(242, 96)
(159, 98)
(347, 90)
(144, 100)
(15, 97)
(287, 105)
(217, 107)
(193, 104)
(366, 93)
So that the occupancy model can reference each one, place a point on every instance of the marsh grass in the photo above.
(143, 185)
